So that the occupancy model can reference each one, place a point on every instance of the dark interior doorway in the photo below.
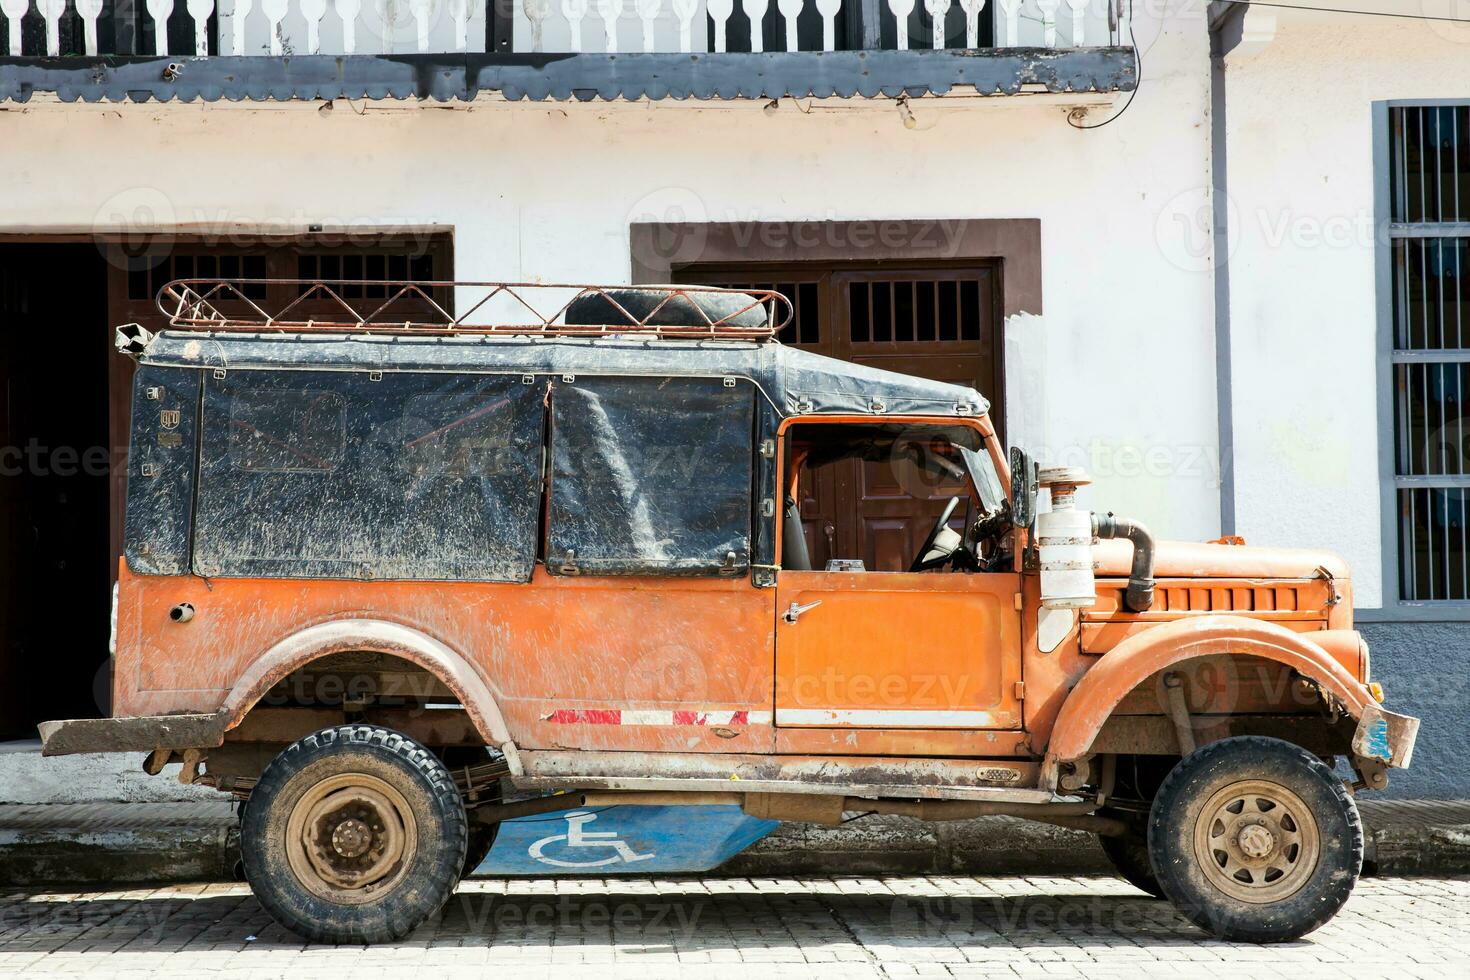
(55, 457)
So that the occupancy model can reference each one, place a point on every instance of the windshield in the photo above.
(987, 480)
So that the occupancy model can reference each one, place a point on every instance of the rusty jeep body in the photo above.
(394, 584)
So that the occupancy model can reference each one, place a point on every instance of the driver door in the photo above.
(888, 661)
(898, 652)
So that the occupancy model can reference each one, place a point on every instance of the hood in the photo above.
(1189, 559)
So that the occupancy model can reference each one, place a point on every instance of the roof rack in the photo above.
(403, 307)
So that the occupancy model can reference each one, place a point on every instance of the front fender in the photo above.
(1381, 735)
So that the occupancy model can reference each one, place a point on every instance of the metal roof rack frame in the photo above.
(222, 305)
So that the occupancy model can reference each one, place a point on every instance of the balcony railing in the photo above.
(282, 28)
(268, 50)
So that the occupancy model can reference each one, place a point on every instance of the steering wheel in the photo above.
(919, 564)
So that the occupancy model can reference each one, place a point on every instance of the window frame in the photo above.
(213, 433)
(748, 568)
(1394, 607)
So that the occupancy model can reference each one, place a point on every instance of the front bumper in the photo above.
(1385, 737)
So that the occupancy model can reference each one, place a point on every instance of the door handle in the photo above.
(795, 610)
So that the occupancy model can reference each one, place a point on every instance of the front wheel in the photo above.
(1255, 840)
(354, 834)
(1128, 853)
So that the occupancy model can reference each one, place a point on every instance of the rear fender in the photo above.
(377, 636)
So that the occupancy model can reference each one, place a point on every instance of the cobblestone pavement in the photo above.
(713, 927)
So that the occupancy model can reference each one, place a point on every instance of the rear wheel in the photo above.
(481, 835)
(354, 834)
(1255, 840)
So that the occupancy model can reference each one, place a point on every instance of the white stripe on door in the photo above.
(885, 718)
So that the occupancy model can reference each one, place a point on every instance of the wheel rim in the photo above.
(1257, 841)
(351, 838)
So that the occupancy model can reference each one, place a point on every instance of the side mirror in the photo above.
(1023, 488)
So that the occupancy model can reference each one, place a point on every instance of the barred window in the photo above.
(1430, 241)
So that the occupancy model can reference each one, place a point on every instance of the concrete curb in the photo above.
(162, 843)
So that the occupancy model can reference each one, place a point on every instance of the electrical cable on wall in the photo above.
(1076, 114)
(1344, 10)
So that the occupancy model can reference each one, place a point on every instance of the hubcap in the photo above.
(350, 838)
(1257, 841)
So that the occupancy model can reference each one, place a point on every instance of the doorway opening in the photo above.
(56, 457)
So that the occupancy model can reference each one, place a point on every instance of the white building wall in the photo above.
(1118, 374)
(1303, 305)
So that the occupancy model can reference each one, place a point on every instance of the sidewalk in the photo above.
(183, 841)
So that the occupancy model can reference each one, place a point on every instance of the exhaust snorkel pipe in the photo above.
(1140, 594)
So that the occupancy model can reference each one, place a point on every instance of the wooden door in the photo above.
(941, 323)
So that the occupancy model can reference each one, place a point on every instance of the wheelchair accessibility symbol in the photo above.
(577, 836)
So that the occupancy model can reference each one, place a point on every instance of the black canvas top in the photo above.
(795, 382)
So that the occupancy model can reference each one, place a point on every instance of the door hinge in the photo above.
(1020, 602)
(1020, 690)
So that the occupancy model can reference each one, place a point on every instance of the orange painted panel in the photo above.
(898, 651)
(573, 662)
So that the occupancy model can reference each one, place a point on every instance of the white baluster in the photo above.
(14, 11)
(1079, 12)
(719, 12)
(275, 12)
(610, 11)
(574, 11)
(312, 11)
(790, 11)
(89, 11)
(648, 11)
(51, 11)
(828, 9)
(459, 12)
(536, 11)
(901, 10)
(938, 13)
(199, 11)
(972, 21)
(1049, 21)
(160, 10)
(1011, 9)
(420, 11)
(391, 17)
(1125, 20)
(685, 11)
(756, 11)
(347, 13)
(238, 13)
(972, 10)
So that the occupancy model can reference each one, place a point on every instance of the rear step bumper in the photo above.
(141, 734)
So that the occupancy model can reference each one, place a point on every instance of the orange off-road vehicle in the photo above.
(420, 594)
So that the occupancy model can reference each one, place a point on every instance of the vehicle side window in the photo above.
(317, 474)
(650, 476)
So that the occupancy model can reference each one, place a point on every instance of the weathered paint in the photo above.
(581, 77)
(515, 652)
(1095, 696)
